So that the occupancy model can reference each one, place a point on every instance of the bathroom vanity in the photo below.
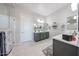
(38, 36)
(63, 47)
(41, 31)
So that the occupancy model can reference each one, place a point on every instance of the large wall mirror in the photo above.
(72, 22)
(40, 25)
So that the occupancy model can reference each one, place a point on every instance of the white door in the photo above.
(26, 29)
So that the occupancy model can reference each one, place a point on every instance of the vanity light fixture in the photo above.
(75, 17)
(74, 6)
(35, 25)
(40, 21)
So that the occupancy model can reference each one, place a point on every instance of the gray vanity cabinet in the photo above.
(41, 36)
(37, 36)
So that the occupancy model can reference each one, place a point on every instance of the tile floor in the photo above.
(31, 48)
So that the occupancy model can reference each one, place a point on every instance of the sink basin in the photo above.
(66, 37)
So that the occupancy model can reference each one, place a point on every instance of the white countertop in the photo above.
(59, 37)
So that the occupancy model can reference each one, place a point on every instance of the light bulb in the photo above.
(40, 21)
(75, 17)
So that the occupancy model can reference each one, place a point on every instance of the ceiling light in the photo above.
(74, 6)
(40, 21)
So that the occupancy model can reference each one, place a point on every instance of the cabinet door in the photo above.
(37, 37)
(47, 35)
(41, 36)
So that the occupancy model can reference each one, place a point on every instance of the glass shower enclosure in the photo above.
(6, 28)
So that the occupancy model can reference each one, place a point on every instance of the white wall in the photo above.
(3, 10)
(4, 18)
(37, 16)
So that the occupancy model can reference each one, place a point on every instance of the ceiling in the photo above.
(43, 9)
